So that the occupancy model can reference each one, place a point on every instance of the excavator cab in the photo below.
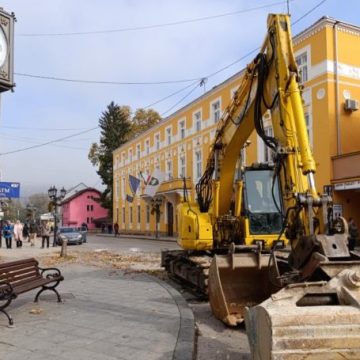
(241, 277)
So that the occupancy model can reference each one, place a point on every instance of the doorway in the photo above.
(170, 219)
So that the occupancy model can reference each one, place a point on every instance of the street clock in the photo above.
(6, 50)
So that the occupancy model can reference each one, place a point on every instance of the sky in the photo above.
(116, 41)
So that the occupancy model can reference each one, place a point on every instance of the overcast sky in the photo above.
(43, 110)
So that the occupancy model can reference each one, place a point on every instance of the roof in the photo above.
(72, 191)
(77, 193)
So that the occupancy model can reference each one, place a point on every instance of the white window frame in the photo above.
(215, 113)
(169, 169)
(157, 141)
(197, 165)
(304, 75)
(130, 155)
(197, 121)
(182, 129)
(147, 146)
(309, 125)
(182, 166)
(138, 151)
(168, 135)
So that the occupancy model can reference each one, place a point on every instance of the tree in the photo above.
(115, 124)
(143, 120)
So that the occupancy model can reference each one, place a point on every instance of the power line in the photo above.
(146, 27)
(38, 129)
(183, 98)
(104, 82)
(309, 12)
(49, 142)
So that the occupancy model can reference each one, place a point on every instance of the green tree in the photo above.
(115, 124)
(143, 120)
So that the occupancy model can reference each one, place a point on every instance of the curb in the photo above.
(185, 344)
(138, 237)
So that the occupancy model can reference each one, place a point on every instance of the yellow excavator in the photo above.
(300, 301)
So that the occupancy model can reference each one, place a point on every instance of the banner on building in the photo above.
(153, 182)
(134, 184)
(9, 190)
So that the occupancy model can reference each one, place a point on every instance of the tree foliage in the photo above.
(117, 127)
(143, 120)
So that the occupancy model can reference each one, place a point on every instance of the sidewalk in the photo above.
(105, 315)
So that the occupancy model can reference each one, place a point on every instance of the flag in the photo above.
(129, 198)
(154, 182)
(134, 184)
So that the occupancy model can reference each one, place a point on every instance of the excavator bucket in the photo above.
(319, 320)
(237, 281)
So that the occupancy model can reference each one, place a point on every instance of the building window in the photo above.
(147, 214)
(302, 63)
(138, 151)
(215, 110)
(268, 152)
(308, 126)
(182, 166)
(182, 129)
(147, 147)
(139, 214)
(87, 207)
(157, 141)
(169, 169)
(123, 215)
(197, 120)
(198, 165)
(131, 214)
(91, 207)
(130, 155)
(168, 136)
(87, 220)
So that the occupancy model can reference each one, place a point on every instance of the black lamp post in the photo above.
(155, 205)
(56, 201)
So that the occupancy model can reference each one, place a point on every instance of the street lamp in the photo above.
(155, 209)
(56, 201)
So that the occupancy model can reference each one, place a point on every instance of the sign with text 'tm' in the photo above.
(9, 190)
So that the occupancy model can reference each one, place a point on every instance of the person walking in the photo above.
(116, 229)
(32, 233)
(7, 232)
(353, 234)
(18, 233)
(26, 232)
(45, 234)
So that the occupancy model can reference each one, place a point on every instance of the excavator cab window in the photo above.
(262, 201)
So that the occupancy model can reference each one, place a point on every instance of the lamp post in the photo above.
(155, 209)
(56, 201)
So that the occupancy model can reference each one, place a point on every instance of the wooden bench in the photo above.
(17, 277)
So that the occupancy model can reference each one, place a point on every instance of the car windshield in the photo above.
(67, 230)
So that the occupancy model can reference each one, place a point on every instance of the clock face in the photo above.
(3, 48)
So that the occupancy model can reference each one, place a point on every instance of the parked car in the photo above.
(72, 234)
(83, 230)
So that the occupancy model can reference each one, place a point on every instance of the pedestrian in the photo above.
(1, 231)
(45, 234)
(18, 233)
(32, 233)
(353, 234)
(116, 229)
(26, 232)
(7, 232)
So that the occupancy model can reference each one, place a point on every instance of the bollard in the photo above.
(63, 252)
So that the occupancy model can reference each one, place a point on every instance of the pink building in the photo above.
(80, 206)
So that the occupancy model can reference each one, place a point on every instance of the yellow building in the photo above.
(328, 55)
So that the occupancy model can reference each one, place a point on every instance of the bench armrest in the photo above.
(53, 272)
(6, 290)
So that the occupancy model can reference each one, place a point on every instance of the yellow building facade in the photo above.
(328, 55)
